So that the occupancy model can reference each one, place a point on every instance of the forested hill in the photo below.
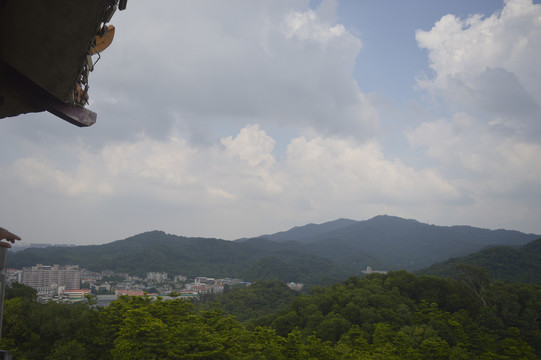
(396, 316)
(398, 243)
(500, 262)
(158, 251)
(313, 254)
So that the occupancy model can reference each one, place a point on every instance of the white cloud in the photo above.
(489, 65)
(335, 171)
(36, 172)
(464, 145)
(500, 173)
(487, 71)
(183, 77)
(510, 40)
(239, 179)
(305, 26)
(163, 163)
(274, 62)
(252, 146)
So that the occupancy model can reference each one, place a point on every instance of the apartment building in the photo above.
(40, 276)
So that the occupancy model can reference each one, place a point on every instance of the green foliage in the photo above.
(403, 316)
(521, 265)
(31, 330)
(307, 269)
(314, 255)
(249, 303)
(395, 243)
(16, 289)
(393, 316)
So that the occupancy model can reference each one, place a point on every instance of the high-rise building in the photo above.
(39, 276)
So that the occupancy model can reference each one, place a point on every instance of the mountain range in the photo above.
(313, 253)
(394, 242)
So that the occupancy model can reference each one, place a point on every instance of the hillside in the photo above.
(312, 254)
(394, 316)
(158, 251)
(500, 262)
(302, 233)
(396, 243)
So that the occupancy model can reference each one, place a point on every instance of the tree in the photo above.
(141, 336)
(476, 279)
(16, 289)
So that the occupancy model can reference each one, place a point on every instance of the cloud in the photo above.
(486, 70)
(240, 179)
(36, 173)
(468, 148)
(489, 65)
(252, 146)
(206, 63)
(498, 172)
(178, 81)
(360, 174)
(239, 118)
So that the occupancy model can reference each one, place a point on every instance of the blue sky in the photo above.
(387, 29)
(239, 118)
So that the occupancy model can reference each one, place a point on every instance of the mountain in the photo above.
(302, 233)
(394, 242)
(312, 254)
(501, 263)
(158, 251)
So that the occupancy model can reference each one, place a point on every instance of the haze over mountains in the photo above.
(399, 243)
(312, 253)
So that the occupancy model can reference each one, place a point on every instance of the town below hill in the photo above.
(70, 283)
(363, 307)
(314, 254)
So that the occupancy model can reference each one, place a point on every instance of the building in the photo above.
(46, 51)
(180, 278)
(43, 276)
(228, 281)
(203, 280)
(102, 287)
(199, 288)
(157, 276)
(76, 295)
(105, 300)
(134, 293)
(369, 270)
(14, 275)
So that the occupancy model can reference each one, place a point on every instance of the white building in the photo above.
(180, 278)
(157, 276)
(369, 270)
(43, 276)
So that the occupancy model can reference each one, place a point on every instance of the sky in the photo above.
(242, 118)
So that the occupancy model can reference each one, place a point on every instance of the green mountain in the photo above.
(395, 243)
(501, 263)
(158, 251)
(303, 233)
(312, 254)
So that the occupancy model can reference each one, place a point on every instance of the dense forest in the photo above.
(393, 316)
(503, 263)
